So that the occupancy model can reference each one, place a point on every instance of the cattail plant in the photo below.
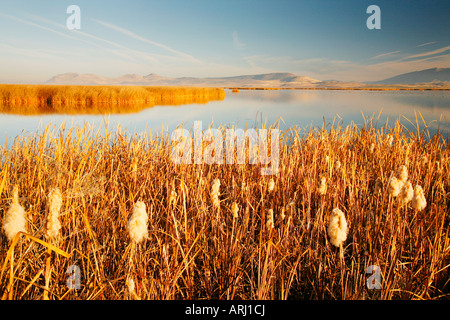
(372, 147)
(215, 192)
(15, 217)
(235, 210)
(322, 190)
(271, 185)
(418, 201)
(131, 288)
(130, 285)
(402, 174)
(137, 224)
(52, 233)
(337, 165)
(406, 193)
(394, 187)
(282, 214)
(172, 197)
(54, 207)
(241, 250)
(337, 227)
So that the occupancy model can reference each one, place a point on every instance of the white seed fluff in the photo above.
(54, 207)
(271, 184)
(406, 193)
(215, 193)
(15, 220)
(323, 186)
(337, 227)
(235, 210)
(419, 202)
(394, 186)
(137, 224)
(402, 174)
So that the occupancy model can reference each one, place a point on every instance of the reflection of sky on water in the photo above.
(295, 107)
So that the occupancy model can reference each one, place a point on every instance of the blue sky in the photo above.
(320, 39)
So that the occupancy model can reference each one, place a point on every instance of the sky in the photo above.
(325, 40)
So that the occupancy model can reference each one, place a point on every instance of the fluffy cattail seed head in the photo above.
(419, 202)
(130, 285)
(172, 197)
(406, 193)
(394, 186)
(322, 187)
(271, 185)
(337, 227)
(235, 210)
(337, 165)
(15, 220)
(372, 147)
(402, 174)
(282, 213)
(215, 193)
(54, 207)
(137, 224)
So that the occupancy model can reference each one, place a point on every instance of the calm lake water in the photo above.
(299, 108)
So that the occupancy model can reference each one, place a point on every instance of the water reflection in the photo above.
(249, 108)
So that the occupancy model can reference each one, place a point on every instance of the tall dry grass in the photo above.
(39, 99)
(197, 248)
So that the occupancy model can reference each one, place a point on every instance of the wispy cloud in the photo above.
(145, 40)
(38, 26)
(425, 44)
(125, 51)
(385, 54)
(429, 53)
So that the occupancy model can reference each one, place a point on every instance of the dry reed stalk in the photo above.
(191, 260)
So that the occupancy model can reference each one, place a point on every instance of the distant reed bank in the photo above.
(42, 99)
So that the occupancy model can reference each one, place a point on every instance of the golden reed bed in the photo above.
(110, 216)
(42, 99)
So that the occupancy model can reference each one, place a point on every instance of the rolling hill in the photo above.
(430, 78)
(423, 76)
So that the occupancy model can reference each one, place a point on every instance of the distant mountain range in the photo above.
(259, 80)
(424, 76)
(436, 77)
